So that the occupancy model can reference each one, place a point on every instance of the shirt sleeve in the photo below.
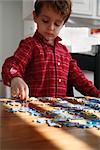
(15, 65)
(79, 80)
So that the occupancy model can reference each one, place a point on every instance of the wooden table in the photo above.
(18, 132)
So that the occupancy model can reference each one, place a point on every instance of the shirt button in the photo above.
(58, 63)
(13, 71)
(59, 80)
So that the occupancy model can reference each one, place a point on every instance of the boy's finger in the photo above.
(14, 92)
(26, 92)
(22, 93)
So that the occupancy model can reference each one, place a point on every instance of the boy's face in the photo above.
(49, 23)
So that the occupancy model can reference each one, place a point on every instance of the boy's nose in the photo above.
(51, 26)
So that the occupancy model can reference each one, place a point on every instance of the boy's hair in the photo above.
(63, 7)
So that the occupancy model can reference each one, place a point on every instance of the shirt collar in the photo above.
(38, 36)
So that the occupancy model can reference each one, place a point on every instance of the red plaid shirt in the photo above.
(45, 68)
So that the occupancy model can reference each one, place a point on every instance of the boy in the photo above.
(41, 65)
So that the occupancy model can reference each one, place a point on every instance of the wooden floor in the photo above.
(18, 132)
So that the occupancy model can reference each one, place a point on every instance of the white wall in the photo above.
(29, 28)
(11, 30)
(79, 39)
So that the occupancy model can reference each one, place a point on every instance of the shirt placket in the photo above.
(56, 76)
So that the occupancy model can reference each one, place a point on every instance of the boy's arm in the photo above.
(81, 83)
(15, 65)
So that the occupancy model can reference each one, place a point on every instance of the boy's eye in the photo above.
(45, 21)
(57, 24)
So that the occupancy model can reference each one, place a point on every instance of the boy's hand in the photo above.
(19, 88)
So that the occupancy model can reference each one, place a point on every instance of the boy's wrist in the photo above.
(10, 80)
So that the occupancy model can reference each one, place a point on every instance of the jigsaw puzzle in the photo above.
(58, 112)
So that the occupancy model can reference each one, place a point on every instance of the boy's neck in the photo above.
(51, 42)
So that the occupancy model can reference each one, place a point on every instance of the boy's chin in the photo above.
(49, 38)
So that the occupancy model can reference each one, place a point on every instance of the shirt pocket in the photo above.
(65, 63)
(39, 60)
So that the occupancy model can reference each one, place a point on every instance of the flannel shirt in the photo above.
(46, 68)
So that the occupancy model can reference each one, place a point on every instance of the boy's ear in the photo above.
(34, 16)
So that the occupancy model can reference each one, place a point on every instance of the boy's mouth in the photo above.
(49, 34)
